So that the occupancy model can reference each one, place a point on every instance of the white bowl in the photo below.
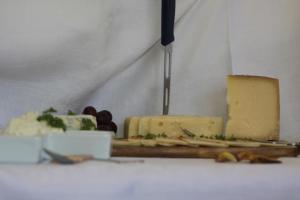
(95, 143)
(20, 149)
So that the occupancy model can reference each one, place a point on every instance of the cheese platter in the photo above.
(252, 126)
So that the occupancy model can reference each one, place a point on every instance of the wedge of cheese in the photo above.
(173, 126)
(253, 107)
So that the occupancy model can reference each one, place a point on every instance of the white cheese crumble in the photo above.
(28, 125)
(74, 122)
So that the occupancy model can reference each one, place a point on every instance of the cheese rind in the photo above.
(172, 126)
(253, 107)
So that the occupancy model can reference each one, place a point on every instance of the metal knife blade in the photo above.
(167, 37)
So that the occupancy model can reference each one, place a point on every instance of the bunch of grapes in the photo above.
(104, 119)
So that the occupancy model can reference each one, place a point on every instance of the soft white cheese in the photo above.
(28, 125)
(74, 122)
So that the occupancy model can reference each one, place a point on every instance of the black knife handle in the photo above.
(167, 21)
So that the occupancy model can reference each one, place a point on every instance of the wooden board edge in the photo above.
(200, 152)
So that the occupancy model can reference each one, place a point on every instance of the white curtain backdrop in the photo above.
(71, 53)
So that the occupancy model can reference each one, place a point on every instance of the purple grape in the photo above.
(90, 110)
(109, 127)
(104, 128)
(104, 117)
(114, 127)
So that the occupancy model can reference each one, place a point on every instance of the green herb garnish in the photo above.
(70, 112)
(220, 137)
(149, 136)
(50, 110)
(45, 117)
(52, 121)
(247, 139)
(87, 124)
(188, 133)
(232, 138)
(163, 135)
(139, 136)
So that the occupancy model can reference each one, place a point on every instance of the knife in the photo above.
(167, 37)
(74, 159)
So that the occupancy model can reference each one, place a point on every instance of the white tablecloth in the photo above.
(154, 179)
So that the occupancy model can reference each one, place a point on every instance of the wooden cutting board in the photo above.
(199, 152)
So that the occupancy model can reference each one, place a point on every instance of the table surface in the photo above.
(156, 178)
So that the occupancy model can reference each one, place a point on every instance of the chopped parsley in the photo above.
(70, 112)
(52, 121)
(87, 124)
(232, 138)
(50, 110)
(188, 133)
(220, 137)
(139, 137)
(150, 136)
(163, 135)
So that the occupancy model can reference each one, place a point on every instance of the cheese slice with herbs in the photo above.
(204, 143)
(242, 144)
(172, 141)
(148, 143)
(125, 142)
(253, 107)
(143, 125)
(173, 126)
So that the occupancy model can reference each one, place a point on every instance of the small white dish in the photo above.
(95, 143)
(20, 149)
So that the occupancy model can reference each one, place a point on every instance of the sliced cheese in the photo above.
(165, 144)
(143, 126)
(263, 144)
(171, 141)
(253, 107)
(242, 144)
(131, 126)
(148, 143)
(121, 142)
(173, 126)
(205, 143)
